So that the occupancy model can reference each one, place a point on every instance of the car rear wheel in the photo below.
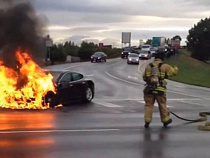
(88, 96)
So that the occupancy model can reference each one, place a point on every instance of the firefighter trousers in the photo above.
(149, 104)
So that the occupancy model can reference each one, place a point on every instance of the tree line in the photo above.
(198, 43)
(198, 40)
(59, 52)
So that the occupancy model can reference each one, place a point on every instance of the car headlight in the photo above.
(129, 59)
(165, 49)
(129, 53)
(137, 59)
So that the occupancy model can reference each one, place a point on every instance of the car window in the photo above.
(145, 46)
(133, 55)
(144, 52)
(66, 78)
(76, 76)
(97, 53)
(103, 54)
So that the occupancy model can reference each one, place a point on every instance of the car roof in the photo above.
(56, 73)
(133, 54)
(99, 52)
(143, 51)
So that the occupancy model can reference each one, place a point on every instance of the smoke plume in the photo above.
(19, 28)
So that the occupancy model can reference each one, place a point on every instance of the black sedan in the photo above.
(70, 87)
(98, 57)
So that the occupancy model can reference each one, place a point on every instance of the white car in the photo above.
(133, 58)
(145, 47)
(145, 55)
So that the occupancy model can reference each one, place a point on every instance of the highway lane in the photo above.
(110, 126)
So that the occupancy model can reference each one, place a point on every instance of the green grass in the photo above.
(191, 71)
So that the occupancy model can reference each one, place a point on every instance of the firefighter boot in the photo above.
(146, 125)
(165, 124)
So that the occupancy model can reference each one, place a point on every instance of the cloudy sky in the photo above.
(105, 20)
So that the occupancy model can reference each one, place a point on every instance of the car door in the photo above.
(65, 88)
(79, 84)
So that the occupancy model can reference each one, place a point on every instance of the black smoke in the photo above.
(20, 28)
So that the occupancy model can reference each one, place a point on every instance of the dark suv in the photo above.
(98, 57)
(126, 52)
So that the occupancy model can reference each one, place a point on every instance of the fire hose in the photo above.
(203, 116)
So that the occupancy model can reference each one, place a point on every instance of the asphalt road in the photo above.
(111, 126)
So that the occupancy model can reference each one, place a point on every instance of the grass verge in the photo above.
(191, 71)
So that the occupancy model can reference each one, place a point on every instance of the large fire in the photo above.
(25, 87)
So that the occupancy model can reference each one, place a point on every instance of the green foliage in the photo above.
(177, 37)
(57, 53)
(149, 41)
(86, 50)
(71, 49)
(191, 70)
(198, 40)
(111, 53)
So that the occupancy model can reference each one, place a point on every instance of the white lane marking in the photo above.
(133, 77)
(139, 70)
(122, 79)
(109, 105)
(156, 104)
(134, 99)
(189, 102)
(59, 131)
(195, 96)
(89, 75)
(75, 66)
(139, 67)
(142, 85)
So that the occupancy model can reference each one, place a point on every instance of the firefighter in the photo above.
(155, 89)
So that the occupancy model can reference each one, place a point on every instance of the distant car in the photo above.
(133, 58)
(145, 47)
(145, 55)
(98, 57)
(126, 52)
(70, 87)
(153, 51)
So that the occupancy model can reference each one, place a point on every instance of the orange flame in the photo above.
(25, 88)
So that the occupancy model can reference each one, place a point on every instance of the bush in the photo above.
(86, 50)
(198, 40)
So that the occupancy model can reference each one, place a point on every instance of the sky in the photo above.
(103, 21)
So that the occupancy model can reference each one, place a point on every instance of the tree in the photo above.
(57, 53)
(198, 40)
(86, 50)
(177, 37)
(149, 41)
(71, 49)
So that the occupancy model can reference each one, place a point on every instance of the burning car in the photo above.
(23, 87)
(70, 87)
(31, 87)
